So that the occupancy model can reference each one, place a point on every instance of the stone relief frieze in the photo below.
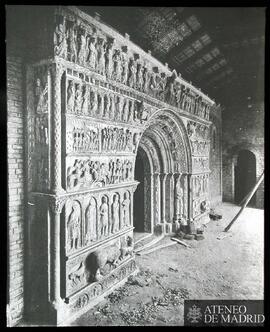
(196, 130)
(200, 185)
(200, 147)
(97, 288)
(38, 128)
(94, 218)
(200, 164)
(74, 226)
(87, 99)
(81, 137)
(88, 46)
(200, 192)
(85, 173)
(95, 266)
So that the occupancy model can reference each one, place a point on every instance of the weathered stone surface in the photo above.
(97, 103)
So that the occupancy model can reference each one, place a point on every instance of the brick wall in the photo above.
(16, 174)
(243, 129)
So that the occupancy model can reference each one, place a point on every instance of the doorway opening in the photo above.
(245, 176)
(139, 195)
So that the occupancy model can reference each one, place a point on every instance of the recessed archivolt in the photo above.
(168, 131)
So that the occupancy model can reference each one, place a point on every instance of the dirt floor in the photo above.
(231, 268)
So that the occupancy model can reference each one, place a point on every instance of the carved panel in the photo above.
(38, 128)
(200, 164)
(93, 266)
(74, 226)
(90, 47)
(92, 218)
(82, 137)
(200, 194)
(97, 288)
(90, 99)
(96, 172)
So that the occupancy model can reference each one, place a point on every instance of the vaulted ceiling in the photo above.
(220, 50)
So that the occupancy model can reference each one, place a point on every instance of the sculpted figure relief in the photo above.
(100, 66)
(93, 101)
(78, 99)
(42, 130)
(125, 110)
(70, 96)
(85, 99)
(126, 210)
(86, 173)
(146, 78)
(153, 82)
(109, 58)
(106, 106)
(178, 201)
(73, 229)
(100, 262)
(100, 104)
(139, 76)
(85, 139)
(72, 42)
(161, 84)
(91, 221)
(41, 96)
(60, 42)
(104, 217)
(98, 53)
(115, 227)
(112, 107)
(92, 52)
(169, 88)
(132, 73)
(82, 47)
(117, 65)
(124, 64)
(178, 92)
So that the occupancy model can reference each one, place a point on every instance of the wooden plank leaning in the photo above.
(248, 198)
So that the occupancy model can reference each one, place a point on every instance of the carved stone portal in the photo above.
(94, 106)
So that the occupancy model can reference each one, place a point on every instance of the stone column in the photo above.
(157, 200)
(190, 220)
(176, 179)
(170, 191)
(134, 187)
(163, 197)
(152, 201)
(185, 192)
(56, 71)
(55, 268)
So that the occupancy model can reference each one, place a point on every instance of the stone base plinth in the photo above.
(76, 305)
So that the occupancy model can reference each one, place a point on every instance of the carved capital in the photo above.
(56, 204)
(57, 69)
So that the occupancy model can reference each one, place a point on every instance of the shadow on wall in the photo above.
(245, 176)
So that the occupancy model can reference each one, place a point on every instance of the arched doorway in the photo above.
(245, 176)
(139, 194)
(161, 161)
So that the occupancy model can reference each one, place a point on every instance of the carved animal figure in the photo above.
(76, 274)
(97, 260)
